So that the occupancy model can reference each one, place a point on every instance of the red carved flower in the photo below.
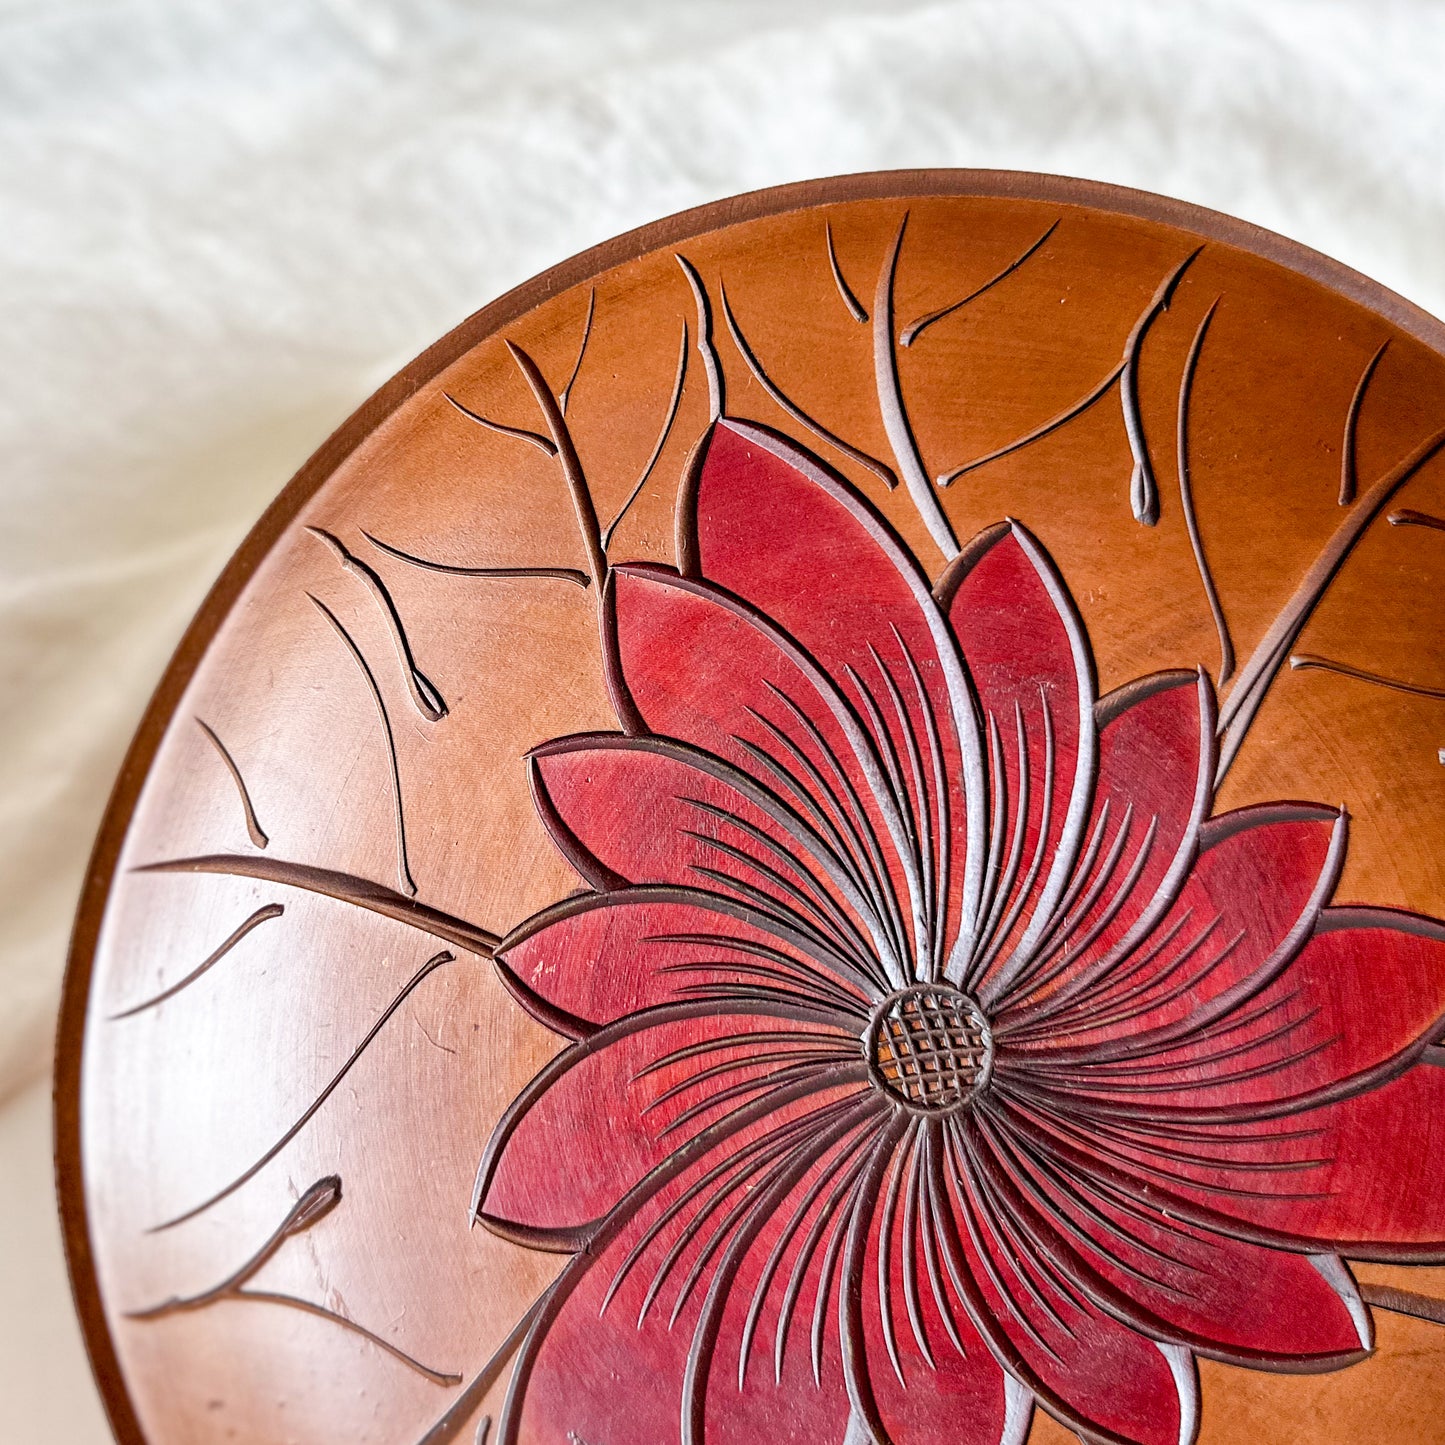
(935, 1048)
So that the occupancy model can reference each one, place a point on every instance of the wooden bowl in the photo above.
(823, 824)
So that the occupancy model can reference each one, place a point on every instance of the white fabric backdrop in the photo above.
(222, 224)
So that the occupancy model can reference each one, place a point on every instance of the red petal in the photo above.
(1247, 908)
(592, 959)
(747, 693)
(618, 1104)
(931, 1374)
(1359, 1002)
(618, 1355)
(1033, 671)
(1360, 1177)
(1222, 1297)
(654, 810)
(1156, 772)
(1101, 1378)
(804, 547)
(1379, 1195)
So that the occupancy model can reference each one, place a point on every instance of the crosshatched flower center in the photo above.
(930, 1047)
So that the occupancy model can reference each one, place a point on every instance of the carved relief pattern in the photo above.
(933, 1047)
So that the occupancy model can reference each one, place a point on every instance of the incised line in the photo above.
(854, 305)
(314, 1205)
(915, 329)
(1348, 476)
(535, 439)
(1409, 517)
(705, 347)
(1250, 687)
(345, 888)
(1301, 661)
(429, 702)
(1133, 344)
(1143, 489)
(566, 392)
(260, 916)
(451, 1425)
(1186, 501)
(662, 436)
(895, 416)
(429, 967)
(563, 574)
(408, 883)
(253, 826)
(883, 473)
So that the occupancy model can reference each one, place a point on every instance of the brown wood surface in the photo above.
(273, 735)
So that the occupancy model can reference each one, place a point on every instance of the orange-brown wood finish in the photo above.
(279, 1067)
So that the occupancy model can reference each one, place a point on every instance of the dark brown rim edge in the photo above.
(754, 205)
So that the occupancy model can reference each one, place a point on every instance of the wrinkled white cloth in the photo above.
(223, 224)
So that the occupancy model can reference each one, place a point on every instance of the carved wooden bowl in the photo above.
(823, 825)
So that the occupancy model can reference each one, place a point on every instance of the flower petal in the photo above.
(658, 811)
(1377, 1195)
(1232, 1300)
(1033, 670)
(620, 1103)
(1099, 1377)
(751, 695)
(1359, 1177)
(1247, 908)
(1357, 1005)
(640, 1335)
(801, 545)
(591, 959)
(1155, 784)
(931, 1376)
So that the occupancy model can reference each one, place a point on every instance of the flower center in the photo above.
(930, 1047)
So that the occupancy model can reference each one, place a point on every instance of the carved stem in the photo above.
(1186, 501)
(895, 418)
(429, 701)
(253, 827)
(346, 887)
(1404, 1302)
(628, 718)
(566, 454)
(429, 967)
(1248, 693)
(315, 1204)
